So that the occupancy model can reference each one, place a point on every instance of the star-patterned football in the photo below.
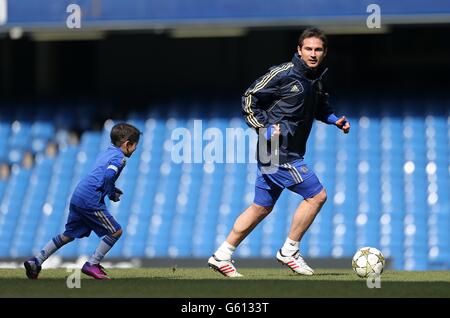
(368, 261)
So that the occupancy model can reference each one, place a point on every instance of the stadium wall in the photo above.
(147, 66)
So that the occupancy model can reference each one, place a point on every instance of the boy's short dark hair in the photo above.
(313, 33)
(122, 132)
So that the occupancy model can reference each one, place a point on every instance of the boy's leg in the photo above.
(52, 246)
(33, 265)
(74, 228)
(105, 226)
(105, 244)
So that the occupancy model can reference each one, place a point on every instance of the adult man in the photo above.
(281, 106)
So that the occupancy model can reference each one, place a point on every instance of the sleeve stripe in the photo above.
(113, 167)
(271, 75)
(250, 117)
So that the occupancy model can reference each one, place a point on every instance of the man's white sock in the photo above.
(290, 247)
(225, 251)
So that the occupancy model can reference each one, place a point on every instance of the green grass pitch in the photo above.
(205, 283)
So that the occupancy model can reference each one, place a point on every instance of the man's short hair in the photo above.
(313, 33)
(122, 132)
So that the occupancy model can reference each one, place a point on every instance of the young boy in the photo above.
(87, 211)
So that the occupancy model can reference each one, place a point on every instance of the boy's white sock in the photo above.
(106, 243)
(225, 251)
(51, 247)
(290, 247)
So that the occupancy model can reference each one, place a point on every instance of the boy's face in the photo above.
(128, 148)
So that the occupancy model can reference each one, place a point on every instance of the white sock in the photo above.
(106, 243)
(225, 251)
(51, 247)
(290, 247)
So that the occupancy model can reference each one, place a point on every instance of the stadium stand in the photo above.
(387, 181)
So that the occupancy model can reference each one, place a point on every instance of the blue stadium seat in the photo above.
(387, 184)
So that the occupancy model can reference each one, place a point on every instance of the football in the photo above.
(368, 261)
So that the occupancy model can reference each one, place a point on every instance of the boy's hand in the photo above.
(343, 124)
(117, 194)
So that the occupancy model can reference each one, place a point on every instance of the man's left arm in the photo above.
(326, 113)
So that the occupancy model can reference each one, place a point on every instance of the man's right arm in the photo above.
(258, 96)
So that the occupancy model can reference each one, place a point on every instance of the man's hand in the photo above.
(117, 194)
(273, 131)
(277, 130)
(343, 124)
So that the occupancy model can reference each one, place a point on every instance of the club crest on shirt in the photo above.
(124, 162)
(304, 169)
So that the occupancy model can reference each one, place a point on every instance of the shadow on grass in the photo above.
(331, 274)
(216, 288)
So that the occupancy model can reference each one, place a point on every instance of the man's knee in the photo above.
(262, 210)
(320, 197)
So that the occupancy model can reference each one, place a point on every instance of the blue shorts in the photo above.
(81, 222)
(296, 176)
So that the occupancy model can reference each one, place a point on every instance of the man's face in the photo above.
(312, 51)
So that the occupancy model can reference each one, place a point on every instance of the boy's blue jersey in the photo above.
(91, 190)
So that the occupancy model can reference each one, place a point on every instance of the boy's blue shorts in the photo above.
(296, 176)
(81, 222)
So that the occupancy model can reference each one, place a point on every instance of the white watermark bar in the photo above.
(73, 21)
(3, 12)
(374, 19)
(373, 281)
(74, 279)
(213, 145)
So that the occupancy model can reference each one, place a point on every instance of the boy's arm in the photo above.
(110, 179)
